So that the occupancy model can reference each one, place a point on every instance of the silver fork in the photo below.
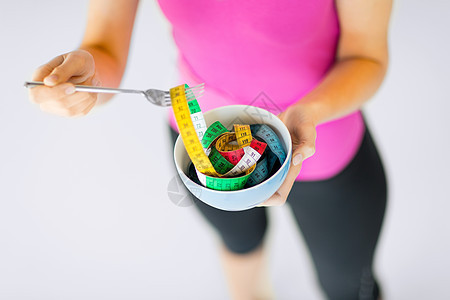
(157, 97)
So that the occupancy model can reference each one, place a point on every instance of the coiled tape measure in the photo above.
(224, 160)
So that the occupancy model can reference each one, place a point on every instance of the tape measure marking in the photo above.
(212, 133)
(220, 164)
(269, 136)
(259, 174)
(225, 184)
(188, 133)
(243, 135)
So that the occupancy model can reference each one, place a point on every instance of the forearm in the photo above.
(107, 37)
(346, 87)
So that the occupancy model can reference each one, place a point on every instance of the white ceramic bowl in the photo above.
(245, 198)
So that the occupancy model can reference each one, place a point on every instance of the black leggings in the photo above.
(340, 219)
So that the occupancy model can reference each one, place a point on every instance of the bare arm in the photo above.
(361, 60)
(107, 38)
(100, 60)
(361, 63)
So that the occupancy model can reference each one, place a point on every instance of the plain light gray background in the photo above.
(84, 211)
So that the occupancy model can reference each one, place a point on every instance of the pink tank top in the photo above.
(264, 53)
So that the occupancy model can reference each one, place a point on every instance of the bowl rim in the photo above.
(287, 160)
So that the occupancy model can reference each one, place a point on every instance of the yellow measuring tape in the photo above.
(188, 134)
(224, 160)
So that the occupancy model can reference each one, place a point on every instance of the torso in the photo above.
(278, 50)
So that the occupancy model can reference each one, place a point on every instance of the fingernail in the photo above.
(297, 159)
(52, 79)
(70, 90)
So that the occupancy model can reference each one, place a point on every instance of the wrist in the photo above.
(108, 69)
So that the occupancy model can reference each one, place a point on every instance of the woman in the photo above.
(318, 62)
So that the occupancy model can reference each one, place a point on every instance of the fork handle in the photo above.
(88, 88)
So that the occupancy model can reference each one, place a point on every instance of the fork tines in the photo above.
(192, 93)
(195, 92)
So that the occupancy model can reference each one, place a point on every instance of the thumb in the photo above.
(302, 151)
(65, 68)
(297, 158)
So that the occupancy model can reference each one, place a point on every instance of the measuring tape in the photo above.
(224, 160)
(212, 133)
(187, 131)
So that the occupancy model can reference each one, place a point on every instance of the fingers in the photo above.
(62, 100)
(88, 108)
(41, 94)
(80, 107)
(280, 196)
